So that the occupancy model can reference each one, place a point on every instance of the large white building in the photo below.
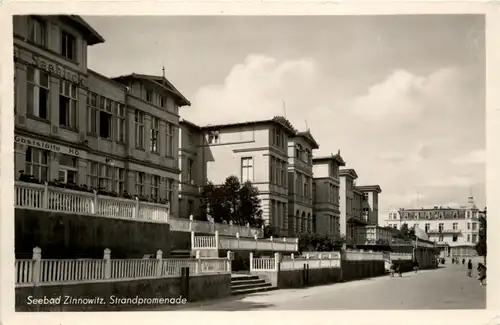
(454, 229)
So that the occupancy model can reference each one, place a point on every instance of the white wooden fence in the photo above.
(293, 263)
(238, 243)
(47, 198)
(38, 271)
(361, 255)
(43, 197)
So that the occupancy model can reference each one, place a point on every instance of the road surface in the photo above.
(445, 288)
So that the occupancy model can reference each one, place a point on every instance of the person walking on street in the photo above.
(469, 269)
(392, 269)
(415, 265)
(398, 268)
(463, 261)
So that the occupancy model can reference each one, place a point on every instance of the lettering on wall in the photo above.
(53, 69)
(49, 146)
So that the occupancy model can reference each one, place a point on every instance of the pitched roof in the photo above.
(370, 188)
(308, 136)
(90, 34)
(161, 82)
(337, 157)
(348, 172)
(277, 120)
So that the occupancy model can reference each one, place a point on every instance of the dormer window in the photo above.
(213, 137)
(68, 46)
(149, 96)
(37, 31)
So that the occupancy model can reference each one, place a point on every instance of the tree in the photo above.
(481, 244)
(319, 243)
(232, 201)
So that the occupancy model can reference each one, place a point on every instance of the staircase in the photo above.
(245, 283)
(180, 254)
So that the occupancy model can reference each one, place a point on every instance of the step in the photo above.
(243, 277)
(250, 281)
(250, 286)
(252, 290)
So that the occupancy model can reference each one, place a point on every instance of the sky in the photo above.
(401, 97)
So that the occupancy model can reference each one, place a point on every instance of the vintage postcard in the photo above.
(266, 162)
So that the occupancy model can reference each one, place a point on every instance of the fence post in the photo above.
(272, 244)
(292, 257)
(229, 259)
(45, 202)
(256, 242)
(319, 258)
(217, 240)
(277, 261)
(231, 227)
(192, 241)
(251, 261)
(37, 271)
(107, 263)
(159, 262)
(198, 263)
(191, 223)
(296, 244)
(238, 239)
(136, 208)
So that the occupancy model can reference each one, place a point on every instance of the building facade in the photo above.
(326, 194)
(256, 152)
(454, 229)
(300, 180)
(73, 125)
(369, 202)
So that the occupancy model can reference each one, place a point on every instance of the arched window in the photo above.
(308, 156)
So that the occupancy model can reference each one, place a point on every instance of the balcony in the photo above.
(444, 231)
(243, 244)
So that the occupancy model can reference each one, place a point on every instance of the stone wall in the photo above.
(64, 235)
(356, 270)
(201, 287)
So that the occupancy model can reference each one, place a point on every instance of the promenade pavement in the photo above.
(445, 288)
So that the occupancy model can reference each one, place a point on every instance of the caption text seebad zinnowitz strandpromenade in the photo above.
(112, 300)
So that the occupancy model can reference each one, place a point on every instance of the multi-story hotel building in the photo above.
(454, 229)
(76, 126)
(256, 152)
(326, 196)
(300, 178)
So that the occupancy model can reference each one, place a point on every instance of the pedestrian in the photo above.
(398, 268)
(392, 269)
(463, 261)
(481, 273)
(415, 265)
(469, 269)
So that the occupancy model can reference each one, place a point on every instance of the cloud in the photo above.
(399, 132)
(473, 157)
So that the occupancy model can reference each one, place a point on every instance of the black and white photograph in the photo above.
(248, 162)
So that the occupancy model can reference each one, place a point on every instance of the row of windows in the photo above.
(278, 214)
(38, 34)
(99, 175)
(278, 171)
(303, 154)
(105, 117)
(302, 187)
(427, 215)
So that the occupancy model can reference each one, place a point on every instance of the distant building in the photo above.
(326, 196)
(456, 230)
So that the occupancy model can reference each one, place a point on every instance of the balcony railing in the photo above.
(246, 244)
(444, 231)
(47, 198)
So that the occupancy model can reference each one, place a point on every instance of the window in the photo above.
(155, 186)
(190, 207)
(213, 137)
(161, 101)
(139, 183)
(68, 46)
(365, 196)
(308, 156)
(120, 122)
(441, 238)
(246, 169)
(105, 177)
(468, 238)
(468, 214)
(68, 98)
(92, 112)
(455, 226)
(119, 180)
(272, 170)
(468, 225)
(155, 132)
(455, 215)
(37, 163)
(306, 187)
(298, 151)
(190, 138)
(474, 238)
(427, 227)
(149, 96)
(474, 226)
(68, 169)
(454, 238)
(105, 118)
(283, 173)
(440, 227)
(139, 129)
(190, 165)
(170, 190)
(297, 184)
(278, 173)
(170, 140)
(92, 174)
(38, 93)
(37, 31)
(277, 139)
